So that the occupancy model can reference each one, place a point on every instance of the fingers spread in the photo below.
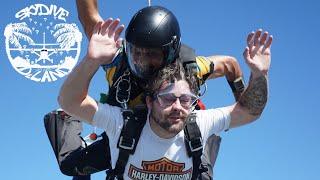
(246, 52)
(112, 27)
(257, 37)
(263, 38)
(97, 27)
(266, 47)
(118, 32)
(269, 42)
(246, 55)
(250, 40)
(105, 26)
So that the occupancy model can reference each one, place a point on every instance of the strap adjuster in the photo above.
(196, 144)
(125, 144)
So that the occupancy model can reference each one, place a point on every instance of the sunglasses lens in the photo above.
(167, 99)
(186, 100)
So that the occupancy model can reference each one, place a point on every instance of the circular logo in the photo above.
(42, 46)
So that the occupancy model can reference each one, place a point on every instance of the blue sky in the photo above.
(282, 144)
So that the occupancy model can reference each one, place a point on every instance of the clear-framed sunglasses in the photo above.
(167, 99)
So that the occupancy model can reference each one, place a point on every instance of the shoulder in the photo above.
(105, 109)
(216, 113)
(213, 120)
(106, 116)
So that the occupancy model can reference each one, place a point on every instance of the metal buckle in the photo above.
(195, 149)
(124, 146)
(125, 78)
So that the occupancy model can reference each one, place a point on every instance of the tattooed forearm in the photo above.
(254, 98)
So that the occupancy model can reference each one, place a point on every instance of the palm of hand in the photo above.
(101, 47)
(105, 41)
(258, 54)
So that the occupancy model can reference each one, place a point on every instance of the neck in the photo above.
(159, 131)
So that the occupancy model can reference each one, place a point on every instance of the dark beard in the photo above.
(166, 125)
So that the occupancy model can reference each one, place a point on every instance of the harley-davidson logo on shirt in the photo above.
(160, 169)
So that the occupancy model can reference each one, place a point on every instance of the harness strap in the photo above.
(187, 56)
(193, 141)
(134, 122)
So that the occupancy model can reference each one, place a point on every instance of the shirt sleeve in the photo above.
(213, 121)
(109, 118)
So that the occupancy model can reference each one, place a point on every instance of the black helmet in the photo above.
(155, 28)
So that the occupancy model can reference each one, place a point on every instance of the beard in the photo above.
(172, 122)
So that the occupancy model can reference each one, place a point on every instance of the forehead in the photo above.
(181, 87)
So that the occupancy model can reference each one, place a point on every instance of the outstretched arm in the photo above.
(73, 97)
(225, 66)
(253, 100)
(88, 15)
(229, 67)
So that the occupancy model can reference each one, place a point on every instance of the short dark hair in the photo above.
(171, 73)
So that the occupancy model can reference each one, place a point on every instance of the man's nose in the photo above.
(177, 104)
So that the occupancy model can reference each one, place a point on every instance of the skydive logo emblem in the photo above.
(41, 46)
(162, 169)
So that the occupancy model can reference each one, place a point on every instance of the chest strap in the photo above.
(193, 141)
(134, 122)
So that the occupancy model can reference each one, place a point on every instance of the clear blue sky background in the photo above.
(282, 144)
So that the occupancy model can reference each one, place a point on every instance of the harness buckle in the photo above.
(196, 144)
(123, 85)
(126, 144)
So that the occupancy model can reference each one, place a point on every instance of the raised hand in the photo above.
(257, 53)
(105, 41)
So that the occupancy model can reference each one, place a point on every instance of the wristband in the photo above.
(237, 85)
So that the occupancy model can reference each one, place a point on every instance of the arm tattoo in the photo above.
(254, 98)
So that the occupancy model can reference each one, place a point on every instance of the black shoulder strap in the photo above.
(134, 122)
(187, 54)
(187, 57)
(193, 141)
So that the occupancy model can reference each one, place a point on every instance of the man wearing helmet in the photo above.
(152, 42)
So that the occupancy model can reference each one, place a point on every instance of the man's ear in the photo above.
(149, 102)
